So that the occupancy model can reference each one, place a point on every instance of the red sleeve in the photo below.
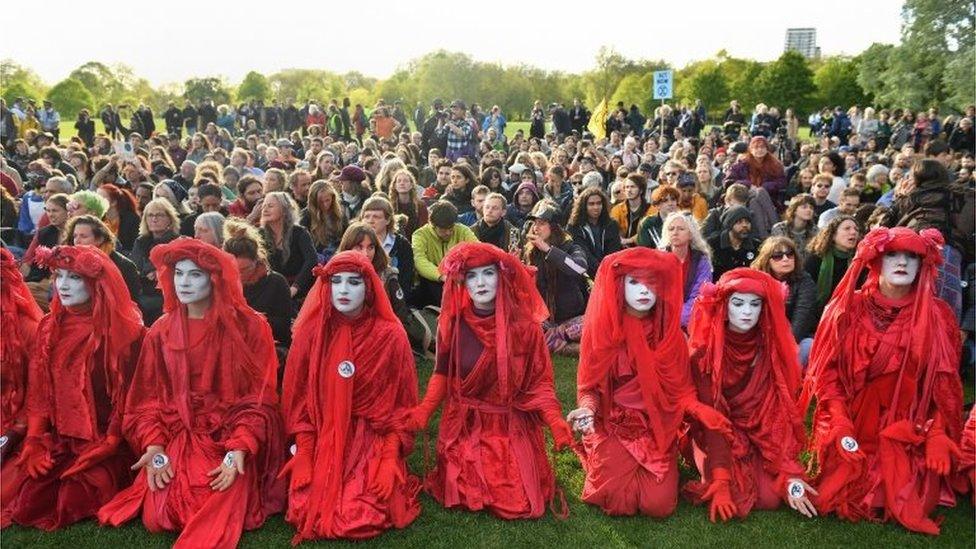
(538, 387)
(718, 454)
(142, 421)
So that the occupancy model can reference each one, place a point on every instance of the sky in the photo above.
(168, 42)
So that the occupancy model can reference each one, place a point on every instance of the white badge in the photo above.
(229, 459)
(346, 369)
(750, 256)
(160, 460)
(796, 490)
(849, 444)
(399, 293)
(293, 449)
(3, 440)
(585, 422)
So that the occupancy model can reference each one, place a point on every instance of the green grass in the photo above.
(586, 526)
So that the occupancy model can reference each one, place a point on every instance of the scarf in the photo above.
(825, 278)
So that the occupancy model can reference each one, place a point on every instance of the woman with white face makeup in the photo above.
(73, 459)
(634, 388)
(884, 369)
(350, 377)
(495, 372)
(202, 407)
(744, 362)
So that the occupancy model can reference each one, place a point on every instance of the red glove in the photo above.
(843, 431)
(300, 464)
(94, 455)
(720, 495)
(35, 455)
(710, 418)
(388, 471)
(418, 417)
(939, 448)
(562, 434)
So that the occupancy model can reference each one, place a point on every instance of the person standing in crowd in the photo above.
(591, 227)
(884, 369)
(830, 254)
(734, 246)
(73, 459)
(680, 236)
(634, 387)
(744, 363)
(430, 244)
(348, 476)
(50, 120)
(495, 373)
(457, 132)
(85, 127)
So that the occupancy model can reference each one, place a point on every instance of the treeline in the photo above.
(934, 65)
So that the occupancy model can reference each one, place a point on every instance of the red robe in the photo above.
(77, 383)
(19, 317)
(351, 419)
(965, 478)
(882, 384)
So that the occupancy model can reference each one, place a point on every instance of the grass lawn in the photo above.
(586, 526)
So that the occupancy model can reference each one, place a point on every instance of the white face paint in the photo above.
(482, 285)
(899, 268)
(638, 295)
(192, 283)
(71, 288)
(348, 292)
(744, 311)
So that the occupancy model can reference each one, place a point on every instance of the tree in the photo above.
(19, 81)
(787, 82)
(254, 87)
(873, 63)
(706, 81)
(836, 83)
(98, 79)
(69, 97)
(199, 89)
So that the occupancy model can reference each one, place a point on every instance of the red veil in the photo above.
(116, 325)
(662, 365)
(321, 401)
(925, 382)
(19, 316)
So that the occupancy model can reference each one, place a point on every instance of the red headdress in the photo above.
(519, 309)
(116, 324)
(318, 393)
(19, 315)
(708, 330)
(662, 365)
(928, 342)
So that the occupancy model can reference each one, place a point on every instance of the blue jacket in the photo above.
(25, 223)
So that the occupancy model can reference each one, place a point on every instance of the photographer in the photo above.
(457, 131)
(430, 139)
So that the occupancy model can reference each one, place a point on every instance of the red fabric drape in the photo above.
(204, 387)
(349, 417)
(19, 316)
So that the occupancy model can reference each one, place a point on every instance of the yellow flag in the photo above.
(598, 120)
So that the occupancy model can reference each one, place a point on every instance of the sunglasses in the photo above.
(780, 255)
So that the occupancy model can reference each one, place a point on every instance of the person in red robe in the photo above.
(495, 371)
(19, 316)
(744, 363)
(965, 479)
(350, 373)
(634, 386)
(884, 369)
(202, 407)
(73, 460)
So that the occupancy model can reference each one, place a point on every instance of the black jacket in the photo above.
(725, 257)
(560, 280)
(801, 306)
(271, 297)
(596, 242)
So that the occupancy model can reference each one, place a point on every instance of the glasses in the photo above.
(777, 256)
(156, 215)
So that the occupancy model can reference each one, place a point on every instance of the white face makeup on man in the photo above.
(192, 283)
(72, 289)
(899, 268)
(744, 310)
(348, 292)
(638, 295)
(482, 285)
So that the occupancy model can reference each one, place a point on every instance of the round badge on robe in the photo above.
(160, 460)
(750, 256)
(796, 490)
(849, 444)
(3, 440)
(293, 449)
(346, 369)
(229, 459)
(399, 293)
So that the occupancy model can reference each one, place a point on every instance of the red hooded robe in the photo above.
(347, 415)
(754, 379)
(202, 388)
(77, 379)
(19, 316)
(886, 372)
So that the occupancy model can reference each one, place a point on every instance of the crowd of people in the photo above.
(159, 287)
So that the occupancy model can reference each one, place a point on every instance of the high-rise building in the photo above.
(803, 41)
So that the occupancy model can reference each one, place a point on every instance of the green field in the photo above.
(586, 526)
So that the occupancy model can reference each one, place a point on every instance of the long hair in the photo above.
(389, 169)
(697, 240)
(289, 218)
(354, 234)
(325, 226)
(578, 217)
(824, 241)
(795, 203)
(98, 228)
(770, 246)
